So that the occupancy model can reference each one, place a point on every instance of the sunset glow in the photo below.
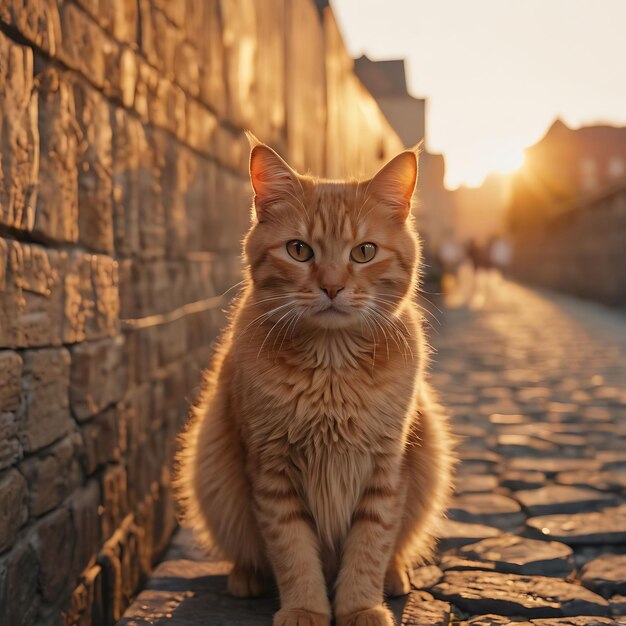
(497, 74)
(499, 159)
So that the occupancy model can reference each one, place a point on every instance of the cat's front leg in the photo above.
(368, 548)
(293, 550)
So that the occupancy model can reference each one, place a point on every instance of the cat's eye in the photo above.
(299, 250)
(363, 253)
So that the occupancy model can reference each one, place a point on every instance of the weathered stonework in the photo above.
(124, 196)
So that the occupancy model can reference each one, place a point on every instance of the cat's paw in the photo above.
(397, 582)
(245, 583)
(376, 616)
(300, 617)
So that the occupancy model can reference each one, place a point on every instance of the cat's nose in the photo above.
(332, 290)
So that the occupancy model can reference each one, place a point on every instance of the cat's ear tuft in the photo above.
(272, 179)
(394, 184)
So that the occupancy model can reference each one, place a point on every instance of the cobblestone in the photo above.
(606, 575)
(511, 594)
(535, 385)
(517, 555)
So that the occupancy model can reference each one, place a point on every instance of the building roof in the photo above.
(382, 78)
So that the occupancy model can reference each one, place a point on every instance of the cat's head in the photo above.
(327, 253)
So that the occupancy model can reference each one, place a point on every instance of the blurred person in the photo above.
(500, 254)
(479, 257)
(450, 257)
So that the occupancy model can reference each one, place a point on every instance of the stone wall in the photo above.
(123, 199)
(582, 251)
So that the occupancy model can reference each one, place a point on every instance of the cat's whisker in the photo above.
(365, 318)
(267, 314)
(426, 311)
(395, 317)
(382, 328)
(271, 298)
(297, 320)
(284, 329)
(380, 319)
(241, 282)
(271, 329)
(397, 333)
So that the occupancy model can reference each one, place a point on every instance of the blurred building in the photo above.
(386, 81)
(566, 164)
(479, 213)
(567, 212)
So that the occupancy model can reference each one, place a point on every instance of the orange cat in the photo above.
(316, 453)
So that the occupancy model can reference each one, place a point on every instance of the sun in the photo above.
(508, 160)
(487, 158)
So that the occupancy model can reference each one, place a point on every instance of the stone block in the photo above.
(79, 302)
(232, 229)
(101, 441)
(177, 175)
(52, 540)
(45, 392)
(172, 341)
(105, 278)
(147, 32)
(128, 139)
(159, 287)
(36, 21)
(166, 38)
(31, 294)
(200, 271)
(96, 9)
(114, 499)
(91, 306)
(84, 509)
(239, 40)
(19, 137)
(205, 29)
(84, 43)
(152, 225)
(13, 506)
(98, 376)
(51, 477)
(10, 375)
(56, 213)
(19, 602)
(142, 346)
(10, 447)
(125, 21)
(128, 77)
(271, 64)
(199, 201)
(137, 416)
(159, 92)
(139, 214)
(188, 68)
(94, 162)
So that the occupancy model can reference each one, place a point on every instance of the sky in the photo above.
(497, 73)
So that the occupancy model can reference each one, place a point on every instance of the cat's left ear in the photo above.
(272, 179)
(394, 184)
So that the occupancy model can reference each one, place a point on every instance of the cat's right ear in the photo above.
(272, 179)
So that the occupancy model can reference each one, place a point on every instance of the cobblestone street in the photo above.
(537, 529)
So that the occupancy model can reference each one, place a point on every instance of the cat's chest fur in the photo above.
(333, 415)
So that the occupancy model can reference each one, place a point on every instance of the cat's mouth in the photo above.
(333, 309)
